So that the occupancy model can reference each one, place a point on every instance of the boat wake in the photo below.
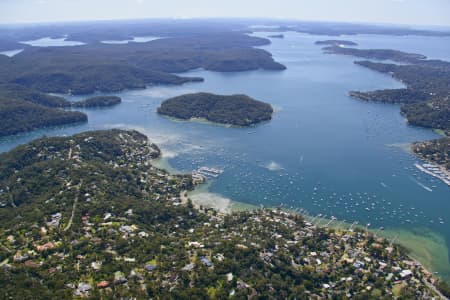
(273, 166)
(421, 184)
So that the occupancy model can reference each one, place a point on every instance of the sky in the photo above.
(412, 12)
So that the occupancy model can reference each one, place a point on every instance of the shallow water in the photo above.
(323, 151)
(50, 42)
(11, 53)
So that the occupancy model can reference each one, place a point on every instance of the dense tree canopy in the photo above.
(110, 68)
(89, 216)
(99, 101)
(23, 109)
(239, 110)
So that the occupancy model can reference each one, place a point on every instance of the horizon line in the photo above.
(181, 18)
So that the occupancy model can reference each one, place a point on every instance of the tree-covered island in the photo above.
(238, 110)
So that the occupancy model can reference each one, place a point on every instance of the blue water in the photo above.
(323, 151)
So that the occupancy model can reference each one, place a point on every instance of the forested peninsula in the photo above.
(23, 109)
(238, 110)
(99, 101)
(88, 216)
(103, 67)
(424, 102)
(379, 54)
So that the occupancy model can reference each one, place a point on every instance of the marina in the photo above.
(203, 173)
(435, 171)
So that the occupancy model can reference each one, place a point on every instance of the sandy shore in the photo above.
(201, 196)
(425, 246)
(162, 163)
(211, 200)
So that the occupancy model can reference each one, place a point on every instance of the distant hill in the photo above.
(276, 36)
(23, 109)
(379, 54)
(110, 68)
(100, 101)
(336, 43)
(16, 91)
(239, 110)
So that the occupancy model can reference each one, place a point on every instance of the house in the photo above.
(126, 229)
(46, 246)
(150, 267)
(188, 267)
(83, 289)
(195, 245)
(18, 257)
(389, 276)
(102, 284)
(396, 269)
(241, 285)
(382, 265)
(96, 265)
(143, 234)
(206, 261)
(266, 256)
(119, 278)
(11, 239)
(405, 273)
(129, 259)
(219, 257)
(107, 216)
(31, 264)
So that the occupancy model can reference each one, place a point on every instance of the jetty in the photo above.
(203, 173)
(434, 171)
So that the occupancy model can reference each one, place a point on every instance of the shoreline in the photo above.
(208, 122)
(201, 196)
(161, 162)
(413, 240)
(423, 167)
(425, 163)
